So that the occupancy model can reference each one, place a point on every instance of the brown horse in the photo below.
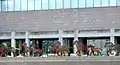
(95, 51)
(60, 50)
(33, 50)
(81, 48)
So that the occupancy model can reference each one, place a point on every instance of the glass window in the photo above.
(112, 2)
(104, 3)
(30, 4)
(118, 2)
(44, 4)
(52, 4)
(97, 3)
(0, 6)
(59, 4)
(89, 3)
(4, 5)
(82, 3)
(23, 5)
(74, 3)
(38, 4)
(10, 5)
(17, 5)
(66, 3)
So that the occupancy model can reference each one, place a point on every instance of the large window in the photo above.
(97, 3)
(66, 3)
(38, 4)
(112, 2)
(89, 3)
(31, 4)
(59, 4)
(81, 3)
(24, 5)
(4, 5)
(52, 4)
(74, 3)
(44, 4)
(10, 5)
(118, 2)
(105, 3)
(17, 5)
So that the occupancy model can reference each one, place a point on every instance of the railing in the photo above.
(5, 34)
(20, 34)
(44, 33)
(117, 30)
(94, 31)
(68, 32)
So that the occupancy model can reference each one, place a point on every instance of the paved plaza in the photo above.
(61, 61)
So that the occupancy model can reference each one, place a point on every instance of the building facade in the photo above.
(36, 21)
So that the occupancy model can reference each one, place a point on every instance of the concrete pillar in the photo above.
(60, 36)
(112, 38)
(75, 38)
(27, 41)
(27, 38)
(13, 41)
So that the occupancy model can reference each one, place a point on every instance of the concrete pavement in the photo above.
(61, 61)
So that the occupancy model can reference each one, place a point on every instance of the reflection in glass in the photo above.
(97, 3)
(10, 5)
(104, 3)
(81, 3)
(24, 5)
(17, 5)
(89, 3)
(59, 4)
(118, 2)
(112, 2)
(4, 6)
(66, 3)
(38, 5)
(44, 4)
(74, 3)
(30, 4)
(52, 4)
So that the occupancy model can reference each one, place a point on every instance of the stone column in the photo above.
(60, 36)
(13, 44)
(112, 38)
(75, 38)
(27, 41)
(27, 38)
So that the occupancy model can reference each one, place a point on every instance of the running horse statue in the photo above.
(60, 50)
(5, 49)
(110, 49)
(86, 49)
(32, 49)
(94, 51)
(81, 48)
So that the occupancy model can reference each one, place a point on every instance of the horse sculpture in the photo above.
(94, 51)
(110, 48)
(81, 48)
(60, 50)
(25, 50)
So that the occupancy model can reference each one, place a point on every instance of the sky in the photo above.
(37, 5)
